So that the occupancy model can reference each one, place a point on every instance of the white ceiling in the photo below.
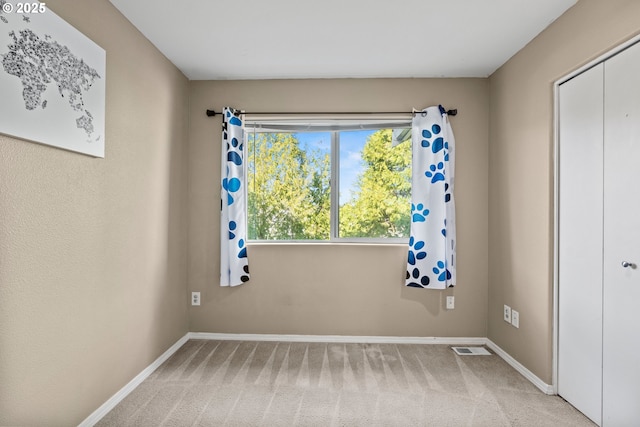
(281, 39)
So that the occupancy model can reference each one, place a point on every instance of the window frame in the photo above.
(298, 125)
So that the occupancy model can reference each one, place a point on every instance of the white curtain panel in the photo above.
(432, 251)
(234, 263)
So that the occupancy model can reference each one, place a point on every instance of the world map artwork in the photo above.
(53, 81)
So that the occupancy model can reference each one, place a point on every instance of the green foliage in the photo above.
(381, 204)
(288, 189)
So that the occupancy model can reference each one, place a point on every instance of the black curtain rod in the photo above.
(212, 113)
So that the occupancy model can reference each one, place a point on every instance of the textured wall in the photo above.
(521, 171)
(346, 289)
(93, 251)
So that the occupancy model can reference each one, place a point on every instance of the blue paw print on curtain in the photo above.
(437, 144)
(243, 250)
(234, 151)
(442, 272)
(232, 227)
(447, 194)
(444, 230)
(231, 186)
(419, 213)
(436, 172)
(415, 252)
(234, 120)
(446, 151)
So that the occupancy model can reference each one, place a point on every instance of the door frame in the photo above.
(556, 196)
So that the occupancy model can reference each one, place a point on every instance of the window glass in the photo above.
(288, 182)
(375, 185)
(290, 186)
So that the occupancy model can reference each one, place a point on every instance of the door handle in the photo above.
(627, 264)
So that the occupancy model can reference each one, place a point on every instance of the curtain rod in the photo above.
(212, 113)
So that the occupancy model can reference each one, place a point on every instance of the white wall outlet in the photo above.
(451, 302)
(195, 298)
(515, 318)
(507, 313)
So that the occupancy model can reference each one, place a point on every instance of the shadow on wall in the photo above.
(431, 299)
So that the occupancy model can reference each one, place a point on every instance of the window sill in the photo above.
(368, 242)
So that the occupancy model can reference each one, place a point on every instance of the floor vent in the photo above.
(471, 351)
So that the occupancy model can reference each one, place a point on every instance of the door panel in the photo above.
(621, 334)
(580, 242)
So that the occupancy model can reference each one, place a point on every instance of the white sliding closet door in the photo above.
(599, 240)
(621, 335)
(580, 242)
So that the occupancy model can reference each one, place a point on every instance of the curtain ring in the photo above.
(422, 112)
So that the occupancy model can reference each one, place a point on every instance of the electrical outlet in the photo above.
(515, 318)
(451, 302)
(507, 313)
(195, 298)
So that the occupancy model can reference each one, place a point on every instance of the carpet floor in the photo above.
(246, 383)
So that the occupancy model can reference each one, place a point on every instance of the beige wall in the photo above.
(521, 171)
(331, 288)
(93, 251)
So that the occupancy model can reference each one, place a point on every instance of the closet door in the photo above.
(621, 335)
(580, 242)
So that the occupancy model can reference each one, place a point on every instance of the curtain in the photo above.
(234, 263)
(432, 259)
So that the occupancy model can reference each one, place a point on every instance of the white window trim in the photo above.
(333, 126)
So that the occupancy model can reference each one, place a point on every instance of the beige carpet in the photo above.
(241, 383)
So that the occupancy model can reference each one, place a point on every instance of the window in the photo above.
(327, 182)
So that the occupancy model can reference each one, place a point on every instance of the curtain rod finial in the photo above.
(211, 113)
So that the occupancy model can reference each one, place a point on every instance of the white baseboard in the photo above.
(336, 338)
(124, 391)
(103, 410)
(534, 379)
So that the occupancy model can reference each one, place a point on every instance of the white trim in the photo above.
(614, 51)
(556, 197)
(305, 125)
(337, 338)
(544, 387)
(103, 410)
(334, 187)
(556, 231)
(99, 413)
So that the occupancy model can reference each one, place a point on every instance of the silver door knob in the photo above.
(626, 264)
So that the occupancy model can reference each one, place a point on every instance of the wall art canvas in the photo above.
(52, 80)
